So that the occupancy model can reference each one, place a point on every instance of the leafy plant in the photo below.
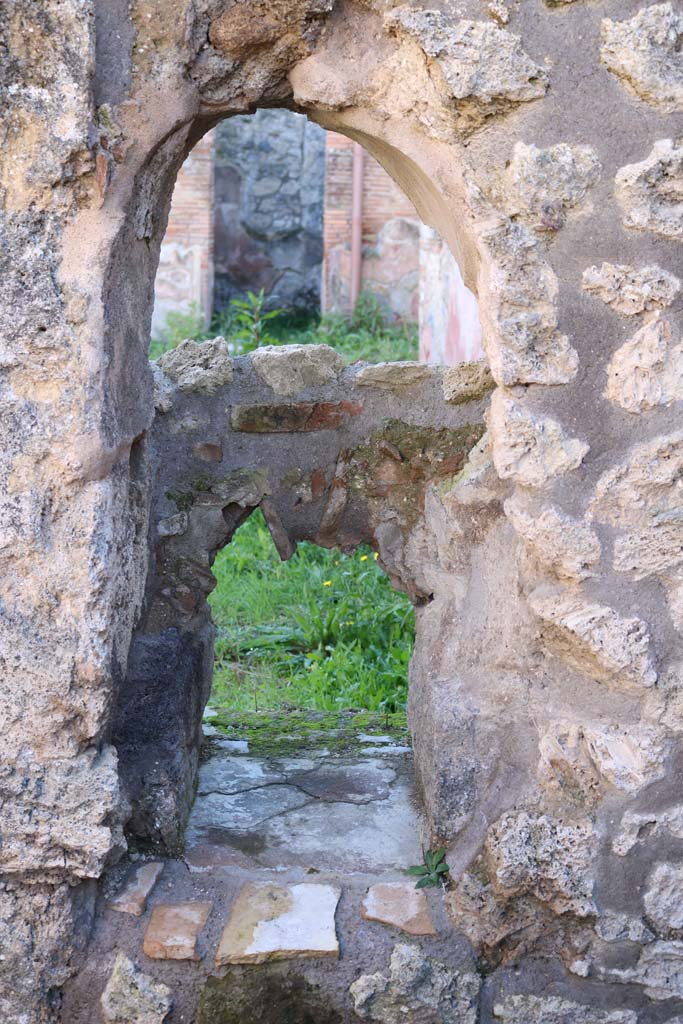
(432, 873)
(251, 318)
(322, 631)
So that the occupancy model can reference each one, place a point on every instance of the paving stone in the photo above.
(174, 928)
(235, 775)
(133, 896)
(399, 904)
(280, 922)
(357, 783)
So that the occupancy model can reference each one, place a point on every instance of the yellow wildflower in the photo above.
(363, 558)
(375, 556)
(327, 583)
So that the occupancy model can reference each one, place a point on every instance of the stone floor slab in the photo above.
(280, 922)
(174, 928)
(132, 898)
(399, 904)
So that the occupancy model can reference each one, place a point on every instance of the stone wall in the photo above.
(390, 227)
(185, 278)
(269, 208)
(541, 141)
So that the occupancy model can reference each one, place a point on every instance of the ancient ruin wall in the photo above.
(541, 140)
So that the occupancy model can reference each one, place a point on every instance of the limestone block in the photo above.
(394, 376)
(132, 898)
(131, 997)
(568, 547)
(478, 60)
(466, 382)
(478, 483)
(641, 497)
(649, 193)
(174, 928)
(280, 922)
(648, 370)
(628, 757)
(663, 899)
(631, 290)
(615, 927)
(636, 826)
(527, 448)
(162, 388)
(288, 369)
(417, 988)
(61, 817)
(595, 639)
(659, 969)
(519, 305)
(547, 183)
(198, 366)
(529, 1009)
(399, 904)
(573, 758)
(645, 52)
(540, 856)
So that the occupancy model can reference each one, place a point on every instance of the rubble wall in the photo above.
(542, 141)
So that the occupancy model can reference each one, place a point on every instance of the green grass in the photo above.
(366, 335)
(322, 631)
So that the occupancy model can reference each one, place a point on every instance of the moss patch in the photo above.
(267, 994)
(292, 733)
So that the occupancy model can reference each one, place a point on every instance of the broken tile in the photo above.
(399, 904)
(131, 899)
(173, 930)
(280, 922)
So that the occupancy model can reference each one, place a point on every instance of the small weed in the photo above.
(432, 873)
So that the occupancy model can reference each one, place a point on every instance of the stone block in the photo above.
(131, 997)
(280, 922)
(399, 904)
(132, 898)
(174, 928)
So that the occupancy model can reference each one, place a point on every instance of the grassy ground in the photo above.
(323, 631)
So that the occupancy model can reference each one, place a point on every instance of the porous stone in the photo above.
(663, 898)
(648, 370)
(466, 382)
(631, 290)
(198, 366)
(615, 927)
(649, 192)
(568, 547)
(525, 1009)
(276, 922)
(640, 497)
(478, 483)
(518, 305)
(478, 60)
(398, 904)
(174, 928)
(574, 758)
(394, 376)
(288, 369)
(636, 826)
(595, 639)
(131, 997)
(529, 449)
(547, 183)
(537, 855)
(645, 52)
(659, 969)
(132, 898)
(417, 988)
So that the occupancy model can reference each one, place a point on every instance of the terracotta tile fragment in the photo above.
(399, 904)
(173, 930)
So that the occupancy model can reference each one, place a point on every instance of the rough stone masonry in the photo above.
(543, 140)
